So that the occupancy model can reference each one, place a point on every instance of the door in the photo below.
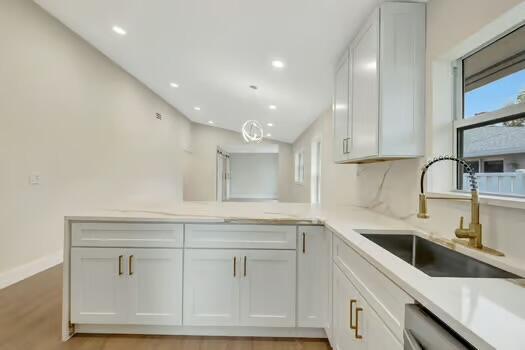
(341, 109)
(268, 288)
(154, 286)
(220, 176)
(313, 276)
(211, 287)
(345, 299)
(98, 280)
(365, 101)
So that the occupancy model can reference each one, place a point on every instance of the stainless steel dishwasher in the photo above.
(425, 332)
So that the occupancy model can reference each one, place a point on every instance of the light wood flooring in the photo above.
(30, 313)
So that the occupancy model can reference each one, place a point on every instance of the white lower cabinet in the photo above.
(239, 288)
(313, 276)
(378, 336)
(97, 286)
(211, 287)
(343, 335)
(325, 283)
(155, 286)
(355, 324)
(126, 286)
(268, 288)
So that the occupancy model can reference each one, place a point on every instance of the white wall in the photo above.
(200, 169)
(392, 187)
(254, 175)
(86, 126)
(337, 180)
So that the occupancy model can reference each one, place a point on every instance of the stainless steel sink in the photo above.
(433, 259)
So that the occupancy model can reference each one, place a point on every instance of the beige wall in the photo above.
(70, 114)
(392, 187)
(200, 169)
(337, 180)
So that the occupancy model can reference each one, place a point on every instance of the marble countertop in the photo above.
(489, 313)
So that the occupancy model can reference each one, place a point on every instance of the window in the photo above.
(490, 128)
(493, 166)
(315, 178)
(474, 164)
(299, 167)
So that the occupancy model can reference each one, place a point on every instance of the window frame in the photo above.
(299, 167)
(315, 170)
(460, 123)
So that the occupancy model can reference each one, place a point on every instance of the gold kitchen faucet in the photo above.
(474, 232)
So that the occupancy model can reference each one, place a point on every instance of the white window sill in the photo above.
(496, 201)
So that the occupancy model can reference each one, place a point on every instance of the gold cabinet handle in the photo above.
(304, 242)
(245, 258)
(357, 311)
(120, 258)
(234, 266)
(352, 303)
(130, 265)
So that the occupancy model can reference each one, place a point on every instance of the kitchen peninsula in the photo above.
(267, 269)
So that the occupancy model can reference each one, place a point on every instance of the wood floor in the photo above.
(30, 314)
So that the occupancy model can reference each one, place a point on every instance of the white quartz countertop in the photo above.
(489, 313)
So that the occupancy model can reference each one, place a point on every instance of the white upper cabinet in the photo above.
(385, 106)
(341, 108)
(365, 84)
(313, 272)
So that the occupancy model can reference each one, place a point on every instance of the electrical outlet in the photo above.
(34, 179)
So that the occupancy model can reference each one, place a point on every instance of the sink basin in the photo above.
(434, 259)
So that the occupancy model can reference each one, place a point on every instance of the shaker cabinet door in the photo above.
(211, 287)
(98, 280)
(345, 299)
(365, 102)
(268, 288)
(154, 286)
(313, 258)
(341, 110)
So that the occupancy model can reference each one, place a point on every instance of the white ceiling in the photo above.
(215, 49)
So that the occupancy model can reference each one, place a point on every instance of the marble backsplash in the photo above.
(392, 188)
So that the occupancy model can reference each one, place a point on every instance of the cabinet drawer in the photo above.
(385, 297)
(240, 236)
(144, 235)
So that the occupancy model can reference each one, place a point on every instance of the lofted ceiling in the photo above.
(215, 49)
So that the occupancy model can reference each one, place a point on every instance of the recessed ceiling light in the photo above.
(272, 106)
(197, 108)
(211, 122)
(174, 85)
(278, 64)
(269, 124)
(119, 30)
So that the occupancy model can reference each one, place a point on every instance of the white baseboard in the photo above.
(29, 269)
(276, 332)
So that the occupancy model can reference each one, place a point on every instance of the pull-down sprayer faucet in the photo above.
(474, 231)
